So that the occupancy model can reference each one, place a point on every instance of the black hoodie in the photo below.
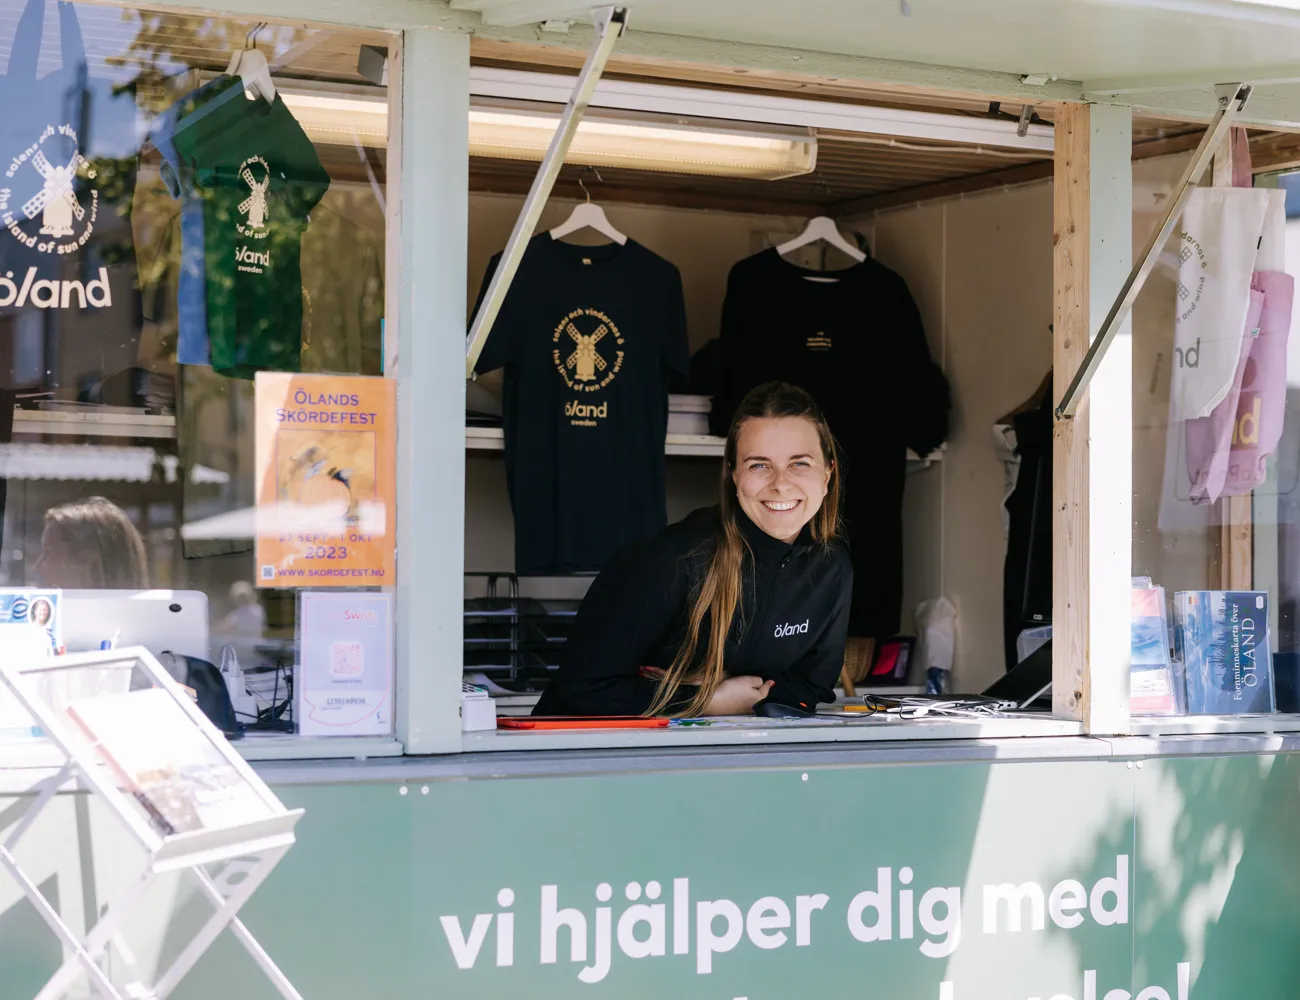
(791, 627)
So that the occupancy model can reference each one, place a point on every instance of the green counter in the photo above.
(1004, 870)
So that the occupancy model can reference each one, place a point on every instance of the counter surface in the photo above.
(660, 759)
(19, 773)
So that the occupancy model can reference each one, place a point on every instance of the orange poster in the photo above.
(327, 480)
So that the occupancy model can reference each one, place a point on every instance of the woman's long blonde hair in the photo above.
(717, 594)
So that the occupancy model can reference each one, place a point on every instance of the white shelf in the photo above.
(493, 439)
(94, 423)
(700, 445)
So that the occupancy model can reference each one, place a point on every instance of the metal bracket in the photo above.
(610, 22)
(1232, 100)
(1026, 116)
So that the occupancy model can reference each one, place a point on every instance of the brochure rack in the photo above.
(133, 737)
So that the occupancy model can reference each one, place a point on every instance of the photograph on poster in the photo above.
(326, 460)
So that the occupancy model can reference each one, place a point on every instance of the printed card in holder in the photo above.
(345, 673)
(1153, 689)
(24, 606)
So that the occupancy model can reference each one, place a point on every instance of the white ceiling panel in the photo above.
(1084, 40)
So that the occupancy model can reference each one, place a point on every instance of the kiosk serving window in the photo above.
(196, 434)
(655, 293)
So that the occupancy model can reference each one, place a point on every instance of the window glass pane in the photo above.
(1217, 452)
(170, 231)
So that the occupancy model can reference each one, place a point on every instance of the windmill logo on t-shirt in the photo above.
(57, 201)
(56, 160)
(585, 359)
(581, 351)
(257, 175)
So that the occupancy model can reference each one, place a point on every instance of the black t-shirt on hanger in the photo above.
(856, 343)
(588, 337)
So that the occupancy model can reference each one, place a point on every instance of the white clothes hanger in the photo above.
(249, 64)
(822, 228)
(588, 215)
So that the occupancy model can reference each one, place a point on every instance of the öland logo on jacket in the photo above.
(782, 631)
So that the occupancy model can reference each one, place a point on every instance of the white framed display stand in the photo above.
(132, 736)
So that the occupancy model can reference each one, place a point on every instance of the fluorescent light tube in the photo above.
(700, 131)
(515, 135)
(335, 118)
(772, 109)
(665, 148)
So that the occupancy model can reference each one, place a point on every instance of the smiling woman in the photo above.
(739, 608)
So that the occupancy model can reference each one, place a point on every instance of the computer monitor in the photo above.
(159, 620)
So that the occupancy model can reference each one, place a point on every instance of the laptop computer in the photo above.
(171, 620)
(1018, 689)
(1026, 682)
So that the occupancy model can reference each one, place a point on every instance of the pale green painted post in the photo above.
(432, 235)
(1110, 480)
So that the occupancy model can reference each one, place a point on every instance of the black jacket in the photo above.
(791, 627)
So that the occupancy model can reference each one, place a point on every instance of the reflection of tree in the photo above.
(115, 182)
(1230, 882)
(1212, 874)
(167, 45)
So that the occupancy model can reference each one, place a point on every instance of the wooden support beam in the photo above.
(710, 72)
(1274, 151)
(1167, 147)
(1092, 531)
(1024, 173)
(1235, 560)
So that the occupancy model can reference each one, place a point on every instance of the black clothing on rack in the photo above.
(588, 337)
(790, 628)
(857, 345)
(1027, 570)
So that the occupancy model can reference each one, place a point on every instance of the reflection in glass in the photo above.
(91, 545)
(164, 236)
(1216, 452)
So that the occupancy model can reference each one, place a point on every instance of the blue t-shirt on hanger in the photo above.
(193, 347)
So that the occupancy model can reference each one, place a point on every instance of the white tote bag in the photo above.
(1220, 238)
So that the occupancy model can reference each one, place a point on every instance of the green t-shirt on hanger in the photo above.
(259, 177)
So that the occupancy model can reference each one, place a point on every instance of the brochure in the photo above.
(1222, 638)
(1152, 690)
(173, 767)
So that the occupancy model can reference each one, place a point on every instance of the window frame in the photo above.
(425, 270)
(1091, 553)
(1207, 725)
(413, 722)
